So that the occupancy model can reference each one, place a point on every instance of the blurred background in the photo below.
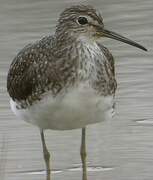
(118, 150)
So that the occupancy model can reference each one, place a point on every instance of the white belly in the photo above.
(78, 108)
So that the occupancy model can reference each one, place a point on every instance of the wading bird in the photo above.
(66, 80)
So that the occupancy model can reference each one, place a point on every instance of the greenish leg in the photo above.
(83, 154)
(46, 155)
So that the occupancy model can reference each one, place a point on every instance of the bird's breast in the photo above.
(91, 60)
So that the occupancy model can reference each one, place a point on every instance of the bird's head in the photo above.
(83, 21)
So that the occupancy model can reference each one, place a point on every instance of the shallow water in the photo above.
(117, 150)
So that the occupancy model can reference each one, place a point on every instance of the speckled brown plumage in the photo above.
(53, 63)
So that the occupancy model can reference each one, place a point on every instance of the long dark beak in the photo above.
(118, 37)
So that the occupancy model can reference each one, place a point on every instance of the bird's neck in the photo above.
(63, 38)
(82, 52)
(90, 57)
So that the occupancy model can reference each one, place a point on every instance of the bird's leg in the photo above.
(46, 155)
(83, 154)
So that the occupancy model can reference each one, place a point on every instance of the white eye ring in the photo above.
(82, 20)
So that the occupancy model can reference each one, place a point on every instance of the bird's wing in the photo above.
(109, 57)
(111, 66)
(31, 71)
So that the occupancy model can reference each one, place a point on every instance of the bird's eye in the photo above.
(82, 20)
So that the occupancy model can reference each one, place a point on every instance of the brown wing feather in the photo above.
(110, 58)
(37, 69)
(26, 69)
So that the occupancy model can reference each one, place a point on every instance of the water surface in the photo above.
(118, 150)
